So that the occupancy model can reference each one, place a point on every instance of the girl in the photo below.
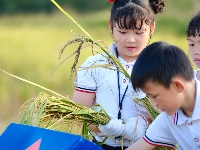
(193, 38)
(131, 23)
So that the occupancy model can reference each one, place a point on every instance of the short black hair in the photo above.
(160, 62)
(193, 28)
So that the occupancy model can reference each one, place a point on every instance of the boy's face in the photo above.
(194, 49)
(165, 100)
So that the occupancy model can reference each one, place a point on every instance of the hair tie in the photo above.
(111, 1)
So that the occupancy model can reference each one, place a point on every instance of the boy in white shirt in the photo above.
(167, 79)
(193, 38)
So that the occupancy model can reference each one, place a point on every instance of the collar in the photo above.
(180, 118)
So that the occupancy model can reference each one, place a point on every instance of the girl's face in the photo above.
(130, 43)
(194, 49)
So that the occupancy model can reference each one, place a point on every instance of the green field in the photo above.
(30, 44)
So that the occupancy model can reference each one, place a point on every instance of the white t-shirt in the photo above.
(104, 83)
(178, 128)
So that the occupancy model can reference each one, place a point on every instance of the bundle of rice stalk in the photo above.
(60, 113)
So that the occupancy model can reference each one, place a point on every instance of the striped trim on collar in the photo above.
(179, 117)
(176, 118)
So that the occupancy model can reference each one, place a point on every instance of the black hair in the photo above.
(193, 28)
(160, 62)
(126, 13)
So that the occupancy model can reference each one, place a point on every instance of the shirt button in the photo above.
(190, 123)
(196, 140)
(124, 80)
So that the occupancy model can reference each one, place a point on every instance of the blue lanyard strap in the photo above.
(120, 100)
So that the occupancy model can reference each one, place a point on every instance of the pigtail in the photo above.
(157, 5)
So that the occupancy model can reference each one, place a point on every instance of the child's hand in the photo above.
(135, 128)
(114, 128)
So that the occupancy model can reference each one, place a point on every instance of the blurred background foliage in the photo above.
(32, 32)
(35, 6)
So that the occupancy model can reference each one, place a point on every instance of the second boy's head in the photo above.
(193, 37)
(162, 71)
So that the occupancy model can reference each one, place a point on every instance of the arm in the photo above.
(85, 99)
(141, 145)
(114, 127)
(157, 134)
(135, 128)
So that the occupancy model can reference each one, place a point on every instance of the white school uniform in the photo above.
(104, 83)
(178, 128)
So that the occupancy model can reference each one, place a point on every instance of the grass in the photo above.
(30, 44)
